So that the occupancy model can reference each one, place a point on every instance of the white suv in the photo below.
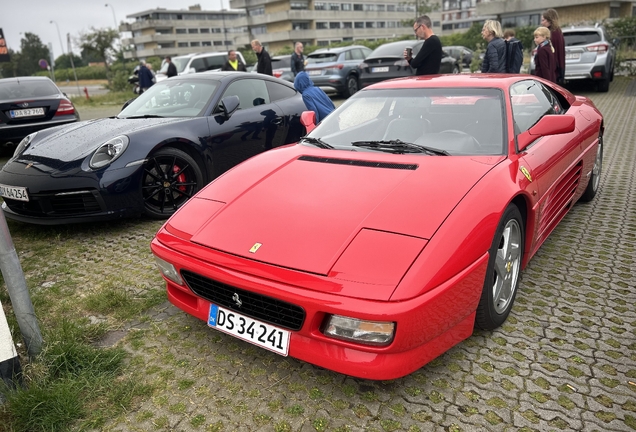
(192, 63)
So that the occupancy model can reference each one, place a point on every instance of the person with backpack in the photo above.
(514, 52)
(495, 57)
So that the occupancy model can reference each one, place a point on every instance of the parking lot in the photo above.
(564, 360)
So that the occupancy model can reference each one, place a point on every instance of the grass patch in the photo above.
(110, 98)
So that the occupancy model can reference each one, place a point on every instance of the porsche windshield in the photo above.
(458, 121)
(172, 98)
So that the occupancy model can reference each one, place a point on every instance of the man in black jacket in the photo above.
(429, 60)
(264, 64)
(297, 59)
(172, 69)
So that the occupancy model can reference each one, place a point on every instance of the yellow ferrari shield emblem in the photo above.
(526, 173)
(255, 247)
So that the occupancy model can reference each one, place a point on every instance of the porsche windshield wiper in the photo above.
(316, 141)
(399, 146)
(143, 116)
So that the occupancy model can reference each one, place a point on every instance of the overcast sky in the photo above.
(75, 16)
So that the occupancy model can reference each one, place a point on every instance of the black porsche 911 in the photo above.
(162, 148)
(30, 104)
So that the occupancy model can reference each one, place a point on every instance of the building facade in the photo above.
(459, 15)
(520, 13)
(276, 24)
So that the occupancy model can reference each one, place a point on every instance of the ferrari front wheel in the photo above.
(595, 175)
(502, 274)
(170, 178)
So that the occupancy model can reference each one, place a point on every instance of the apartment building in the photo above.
(459, 15)
(518, 13)
(277, 24)
(162, 32)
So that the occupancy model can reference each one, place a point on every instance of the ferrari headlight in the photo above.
(26, 141)
(364, 332)
(109, 151)
(168, 270)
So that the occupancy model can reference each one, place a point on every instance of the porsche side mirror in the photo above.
(128, 102)
(553, 124)
(229, 105)
(308, 119)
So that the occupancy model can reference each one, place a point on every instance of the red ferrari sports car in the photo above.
(393, 227)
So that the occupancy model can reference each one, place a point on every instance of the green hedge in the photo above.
(83, 73)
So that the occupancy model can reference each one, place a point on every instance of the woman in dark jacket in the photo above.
(550, 19)
(544, 59)
(495, 57)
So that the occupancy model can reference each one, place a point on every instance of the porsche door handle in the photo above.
(277, 121)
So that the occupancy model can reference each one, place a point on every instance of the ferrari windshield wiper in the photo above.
(399, 146)
(143, 116)
(317, 141)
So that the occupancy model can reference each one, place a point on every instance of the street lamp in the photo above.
(114, 18)
(58, 35)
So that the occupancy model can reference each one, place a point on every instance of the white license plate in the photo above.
(250, 330)
(572, 56)
(314, 72)
(14, 192)
(30, 112)
(380, 69)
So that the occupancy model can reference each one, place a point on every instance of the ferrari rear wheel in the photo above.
(170, 178)
(502, 275)
(595, 177)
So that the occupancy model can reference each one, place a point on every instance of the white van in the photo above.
(200, 62)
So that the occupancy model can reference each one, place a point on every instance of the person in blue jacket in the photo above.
(315, 99)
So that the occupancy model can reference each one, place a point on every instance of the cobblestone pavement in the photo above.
(564, 360)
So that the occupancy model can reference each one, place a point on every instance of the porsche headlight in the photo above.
(26, 141)
(364, 332)
(109, 151)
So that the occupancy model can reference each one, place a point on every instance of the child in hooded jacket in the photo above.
(315, 99)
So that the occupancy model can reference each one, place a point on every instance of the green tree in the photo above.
(32, 50)
(10, 68)
(64, 61)
(99, 43)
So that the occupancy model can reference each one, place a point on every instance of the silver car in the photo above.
(589, 55)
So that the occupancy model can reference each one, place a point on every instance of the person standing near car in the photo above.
(264, 64)
(172, 69)
(233, 63)
(550, 19)
(315, 99)
(145, 78)
(297, 59)
(429, 60)
(495, 57)
(545, 58)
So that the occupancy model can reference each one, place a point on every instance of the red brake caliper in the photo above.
(181, 178)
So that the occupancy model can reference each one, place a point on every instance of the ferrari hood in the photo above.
(304, 211)
(76, 141)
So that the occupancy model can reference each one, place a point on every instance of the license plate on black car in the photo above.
(30, 112)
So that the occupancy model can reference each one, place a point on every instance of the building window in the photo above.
(359, 24)
(192, 31)
(358, 7)
(206, 43)
(334, 6)
(323, 43)
(299, 5)
(300, 25)
(256, 11)
(381, 24)
(380, 8)
(447, 26)
(259, 30)
(320, 25)
(390, 8)
(347, 39)
(320, 6)
(345, 6)
(218, 43)
(334, 25)
(195, 44)
(370, 24)
(181, 31)
(390, 24)
(183, 45)
(204, 30)
(347, 24)
(615, 11)
(435, 23)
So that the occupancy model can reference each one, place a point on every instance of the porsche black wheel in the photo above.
(170, 178)
(595, 176)
(502, 275)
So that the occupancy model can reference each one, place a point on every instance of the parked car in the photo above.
(200, 62)
(461, 53)
(387, 62)
(30, 104)
(281, 67)
(397, 224)
(589, 55)
(336, 69)
(151, 158)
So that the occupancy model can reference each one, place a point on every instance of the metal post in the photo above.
(18, 291)
(70, 56)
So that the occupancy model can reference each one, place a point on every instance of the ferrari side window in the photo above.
(555, 105)
(529, 104)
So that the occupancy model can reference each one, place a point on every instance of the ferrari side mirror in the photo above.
(308, 119)
(548, 125)
(229, 105)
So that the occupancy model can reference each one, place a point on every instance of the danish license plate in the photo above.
(250, 330)
(380, 69)
(572, 56)
(14, 192)
(314, 72)
(30, 112)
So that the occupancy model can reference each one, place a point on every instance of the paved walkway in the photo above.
(564, 360)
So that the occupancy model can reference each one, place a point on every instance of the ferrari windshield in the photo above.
(172, 98)
(454, 121)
